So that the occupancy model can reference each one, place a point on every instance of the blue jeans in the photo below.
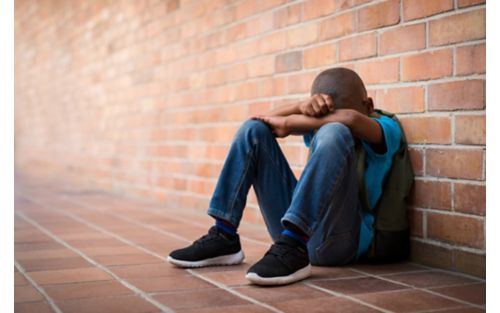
(323, 203)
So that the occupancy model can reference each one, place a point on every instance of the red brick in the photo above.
(302, 35)
(458, 28)
(358, 47)
(432, 195)
(379, 71)
(300, 83)
(427, 65)
(378, 15)
(320, 55)
(470, 263)
(427, 129)
(468, 3)
(417, 161)
(431, 255)
(455, 163)
(404, 38)
(272, 42)
(413, 9)
(458, 95)
(337, 26)
(288, 15)
(261, 66)
(416, 222)
(401, 100)
(287, 62)
(456, 229)
(471, 59)
(470, 129)
(470, 198)
(316, 8)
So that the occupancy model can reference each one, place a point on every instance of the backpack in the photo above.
(391, 238)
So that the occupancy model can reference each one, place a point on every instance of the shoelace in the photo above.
(212, 234)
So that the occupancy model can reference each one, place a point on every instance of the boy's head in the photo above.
(345, 87)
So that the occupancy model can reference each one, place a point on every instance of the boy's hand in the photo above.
(316, 106)
(277, 123)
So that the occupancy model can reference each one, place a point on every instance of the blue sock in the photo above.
(299, 237)
(225, 226)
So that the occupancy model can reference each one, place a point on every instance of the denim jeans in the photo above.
(323, 203)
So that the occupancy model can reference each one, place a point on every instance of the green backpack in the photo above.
(391, 240)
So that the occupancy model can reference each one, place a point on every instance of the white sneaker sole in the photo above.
(280, 280)
(229, 259)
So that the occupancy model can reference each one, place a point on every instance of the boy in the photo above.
(318, 219)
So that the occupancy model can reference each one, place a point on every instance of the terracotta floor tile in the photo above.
(69, 276)
(19, 279)
(127, 259)
(358, 285)
(246, 308)
(214, 298)
(32, 307)
(473, 293)
(229, 278)
(463, 310)
(324, 272)
(407, 301)
(147, 270)
(281, 293)
(52, 245)
(429, 279)
(175, 283)
(121, 304)
(32, 265)
(44, 254)
(86, 290)
(112, 250)
(322, 305)
(26, 293)
(382, 269)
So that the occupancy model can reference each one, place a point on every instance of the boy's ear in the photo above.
(368, 103)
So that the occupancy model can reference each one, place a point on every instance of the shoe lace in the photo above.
(212, 234)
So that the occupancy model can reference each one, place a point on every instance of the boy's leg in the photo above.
(254, 158)
(324, 205)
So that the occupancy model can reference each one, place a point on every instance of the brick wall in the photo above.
(143, 97)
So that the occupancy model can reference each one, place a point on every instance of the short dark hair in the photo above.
(343, 85)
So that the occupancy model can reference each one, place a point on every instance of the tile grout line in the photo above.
(83, 221)
(137, 291)
(420, 289)
(38, 288)
(345, 296)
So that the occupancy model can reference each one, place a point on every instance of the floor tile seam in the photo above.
(347, 297)
(136, 290)
(81, 220)
(53, 306)
(419, 288)
(453, 273)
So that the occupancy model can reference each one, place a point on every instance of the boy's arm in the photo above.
(317, 105)
(285, 110)
(361, 126)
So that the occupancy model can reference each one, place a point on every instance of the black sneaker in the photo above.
(215, 248)
(285, 262)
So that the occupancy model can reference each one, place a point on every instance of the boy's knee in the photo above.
(253, 129)
(333, 134)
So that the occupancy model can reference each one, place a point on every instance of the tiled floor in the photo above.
(88, 251)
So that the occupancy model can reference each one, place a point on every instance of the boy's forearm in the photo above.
(300, 124)
(285, 110)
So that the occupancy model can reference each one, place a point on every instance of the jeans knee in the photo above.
(253, 130)
(333, 134)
